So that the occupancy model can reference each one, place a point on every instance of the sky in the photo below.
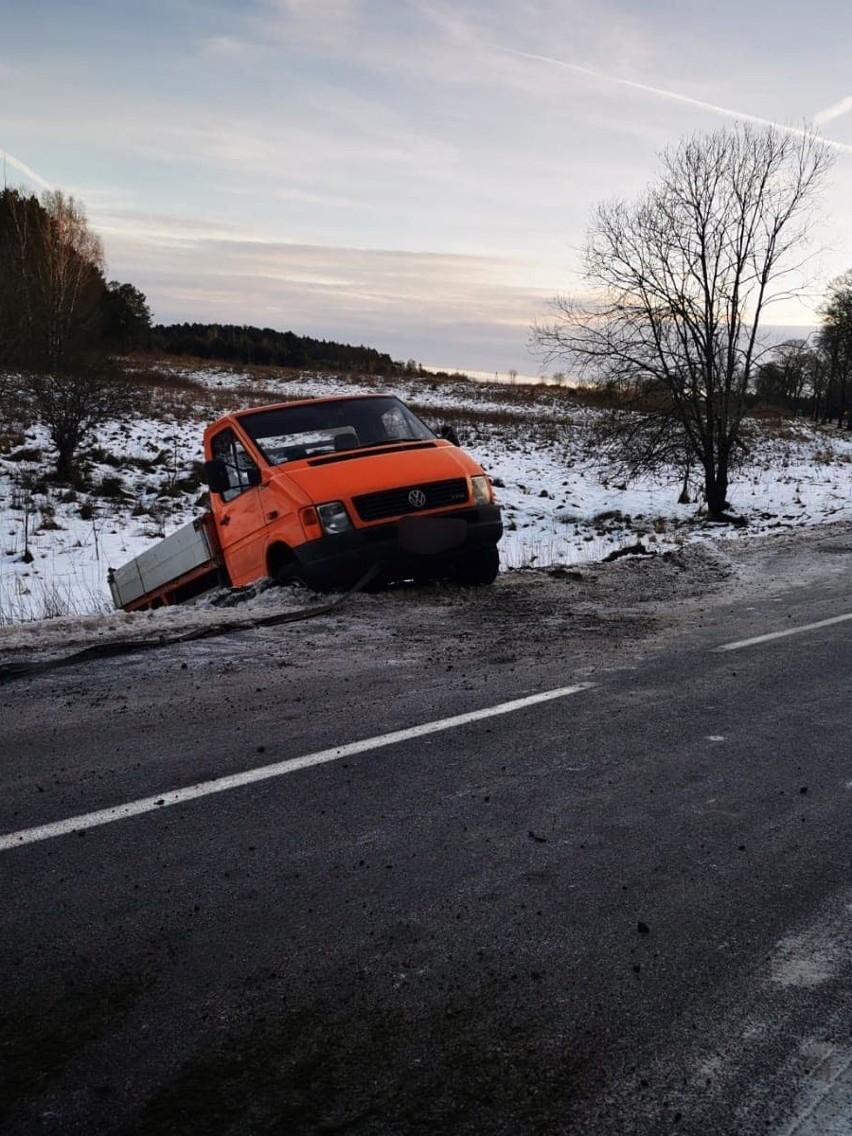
(414, 175)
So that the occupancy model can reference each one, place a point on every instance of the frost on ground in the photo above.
(560, 507)
(580, 615)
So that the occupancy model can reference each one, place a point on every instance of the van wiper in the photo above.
(391, 442)
(367, 450)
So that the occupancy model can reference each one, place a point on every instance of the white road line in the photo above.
(824, 1100)
(782, 634)
(265, 772)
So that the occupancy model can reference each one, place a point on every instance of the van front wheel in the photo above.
(478, 567)
(283, 565)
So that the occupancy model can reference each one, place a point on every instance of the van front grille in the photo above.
(411, 499)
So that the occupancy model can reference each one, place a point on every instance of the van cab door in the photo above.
(240, 519)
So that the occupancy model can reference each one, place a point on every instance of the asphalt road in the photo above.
(626, 909)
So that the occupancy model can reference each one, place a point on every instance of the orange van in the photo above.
(322, 489)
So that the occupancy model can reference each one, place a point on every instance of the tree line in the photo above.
(814, 376)
(267, 347)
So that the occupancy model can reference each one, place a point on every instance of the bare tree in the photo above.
(835, 342)
(72, 282)
(52, 282)
(52, 293)
(71, 404)
(789, 378)
(680, 280)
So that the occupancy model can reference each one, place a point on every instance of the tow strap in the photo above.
(11, 671)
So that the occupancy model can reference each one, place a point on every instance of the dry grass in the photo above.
(35, 599)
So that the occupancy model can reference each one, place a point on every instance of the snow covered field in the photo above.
(56, 544)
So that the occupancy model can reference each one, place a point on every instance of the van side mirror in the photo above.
(449, 434)
(216, 476)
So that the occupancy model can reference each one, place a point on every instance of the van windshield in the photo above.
(294, 432)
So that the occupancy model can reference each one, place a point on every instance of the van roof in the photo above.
(307, 401)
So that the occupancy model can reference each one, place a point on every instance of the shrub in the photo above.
(25, 455)
(111, 488)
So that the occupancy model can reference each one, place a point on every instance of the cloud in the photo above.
(21, 167)
(225, 47)
(728, 112)
(158, 231)
(324, 25)
(436, 307)
(398, 38)
(391, 276)
(832, 112)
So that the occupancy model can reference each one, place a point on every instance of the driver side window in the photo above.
(228, 448)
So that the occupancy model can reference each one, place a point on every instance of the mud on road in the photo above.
(560, 611)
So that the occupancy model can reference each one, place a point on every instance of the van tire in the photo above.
(283, 565)
(479, 567)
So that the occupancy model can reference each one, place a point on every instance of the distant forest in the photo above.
(265, 346)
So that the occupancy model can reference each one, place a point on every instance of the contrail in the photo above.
(21, 167)
(843, 107)
(685, 98)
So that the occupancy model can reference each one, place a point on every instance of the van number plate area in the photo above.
(430, 536)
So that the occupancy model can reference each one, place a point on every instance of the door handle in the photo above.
(226, 520)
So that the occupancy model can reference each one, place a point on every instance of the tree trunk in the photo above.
(684, 498)
(716, 492)
(66, 447)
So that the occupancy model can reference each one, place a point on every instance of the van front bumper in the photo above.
(416, 547)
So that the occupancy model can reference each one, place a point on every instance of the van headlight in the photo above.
(333, 517)
(481, 490)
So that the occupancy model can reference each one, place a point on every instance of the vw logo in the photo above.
(417, 498)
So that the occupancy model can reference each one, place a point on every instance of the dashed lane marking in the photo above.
(783, 634)
(279, 769)
(824, 1104)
